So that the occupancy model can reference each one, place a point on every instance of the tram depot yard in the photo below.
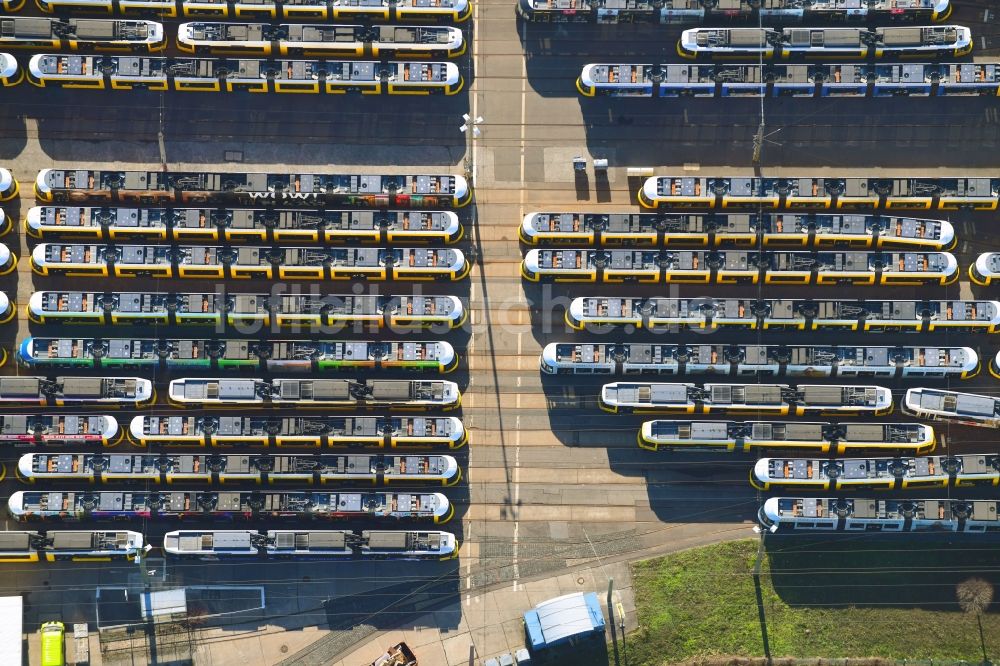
(399, 320)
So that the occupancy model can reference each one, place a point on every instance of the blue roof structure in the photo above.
(560, 620)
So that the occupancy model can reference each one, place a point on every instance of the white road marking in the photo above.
(515, 510)
(517, 572)
(524, 104)
(161, 144)
(475, 90)
(468, 567)
(517, 465)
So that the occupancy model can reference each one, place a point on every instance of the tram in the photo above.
(249, 262)
(933, 41)
(9, 187)
(312, 393)
(10, 75)
(25, 506)
(78, 391)
(221, 310)
(379, 10)
(782, 399)
(8, 262)
(595, 312)
(748, 230)
(330, 77)
(259, 468)
(740, 266)
(803, 514)
(701, 11)
(306, 190)
(309, 544)
(60, 545)
(904, 473)
(985, 269)
(299, 431)
(736, 360)
(778, 80)
(216, 354)
(8, 309)
(749, 436)
(940, 405)
(321, 40)
(82, 34)
(58, 429)
(684, 192)
(241, 225)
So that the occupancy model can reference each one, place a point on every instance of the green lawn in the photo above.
(881, 597)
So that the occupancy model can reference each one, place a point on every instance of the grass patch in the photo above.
(882, 597)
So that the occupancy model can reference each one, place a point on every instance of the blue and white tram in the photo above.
(805, 514)
(759, 360)
(901, 473)
(781, 80)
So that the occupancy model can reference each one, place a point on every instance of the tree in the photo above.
(974, 596)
